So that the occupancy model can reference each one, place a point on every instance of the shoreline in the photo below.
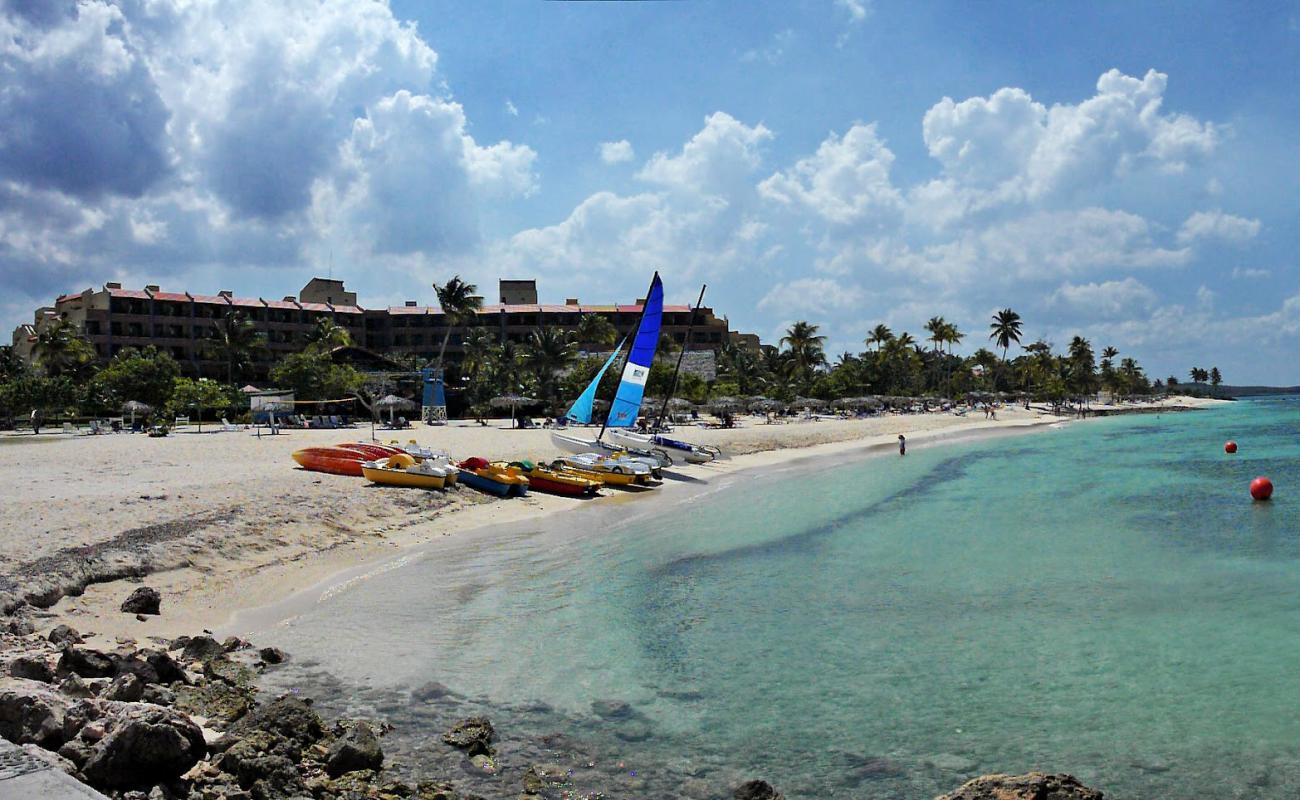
(209, 578)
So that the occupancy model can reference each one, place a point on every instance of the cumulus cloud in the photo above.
(168, 137)
(811, 295)
(858, 10)
(1218, 226)
(1250, 273)
(846, 181)
(616, 152)
(1105, 299)
(773, 52)
(511, 109)
(719, 159)
(1009, 148)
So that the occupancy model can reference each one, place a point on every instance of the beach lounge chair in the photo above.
(181, 421)
(226, 426)
(68, 427)
(335, 423)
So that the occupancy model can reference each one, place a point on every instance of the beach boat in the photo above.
(569, 443)
(403, 470)
(372, 451)
(691, 453)
(334, 460)
(613, 471)
(551, 481)
(499, 479)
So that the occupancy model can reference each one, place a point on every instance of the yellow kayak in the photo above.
(607, 478)
(551, 481)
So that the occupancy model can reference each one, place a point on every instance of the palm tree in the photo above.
(739, 364)
(328, 335)
(459, 302)
(596, 329)
(952, 335)
(937, 328)
(804, 346)
(549, 351)
(1215, 376)
(879, 336)
(61, 349)
(1005, 330)
(236, 342)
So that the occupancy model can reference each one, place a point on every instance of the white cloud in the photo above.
(1009, 148)
(616, 152)
(846, 181)
(718, 159)
(511, 109)
(1250, 273)
(811, 295)
(1218, 226)
(1204, 297)
(858, 10)
(1106, 299)
(773, 52)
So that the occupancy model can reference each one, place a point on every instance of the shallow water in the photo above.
(1102, 599)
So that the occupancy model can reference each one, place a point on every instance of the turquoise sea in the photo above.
(1102, 598)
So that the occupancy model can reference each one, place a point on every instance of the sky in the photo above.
(1127, 172)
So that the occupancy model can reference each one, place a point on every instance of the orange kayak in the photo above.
(334, 460)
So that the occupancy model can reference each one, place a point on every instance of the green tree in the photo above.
(879, 336)
(328, 335)
(549, 352)
(1004, 330)
(197, 396)
(313, 376)
(596, 329)
(1215, 376)
(11, 364)
(21, 395)
(739, 365)
(60, 350)
(459, 302)
(804, 349)
(236, 342)
(146, 375)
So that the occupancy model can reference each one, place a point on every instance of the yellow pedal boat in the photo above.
(402, 470)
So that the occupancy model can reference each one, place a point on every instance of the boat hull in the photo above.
(553, 482)
(691, 453)
(332, 460)
(578, 445)
(501, 486)
(607, 475)
(400, 477)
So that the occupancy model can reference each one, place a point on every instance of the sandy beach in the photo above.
(225, 521)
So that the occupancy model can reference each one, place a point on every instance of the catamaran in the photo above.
(631, 389)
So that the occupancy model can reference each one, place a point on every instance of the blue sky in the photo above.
(1124, 171)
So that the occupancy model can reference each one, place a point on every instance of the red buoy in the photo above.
(1261, 488)
(1230, 447)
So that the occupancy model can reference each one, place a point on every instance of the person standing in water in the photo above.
(902, 445)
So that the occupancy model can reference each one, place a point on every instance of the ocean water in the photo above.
(1102, 599)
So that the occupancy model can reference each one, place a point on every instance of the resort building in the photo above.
(182, 323)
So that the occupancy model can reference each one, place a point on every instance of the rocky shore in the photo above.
(184, 719)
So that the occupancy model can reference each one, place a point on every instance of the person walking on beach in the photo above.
(902, 445)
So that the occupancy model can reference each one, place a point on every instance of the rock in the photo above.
(264, 762)
(1031, 786)
(219, 702)
(151, 666)
(611, 709)
(85, 662)
(20, 627)
(53, 759)
(76, 751)
(272, 655)
(473, 735)
(231, 672)
(232, 643)
(201, 648)
(431, 691)
(76, 687)
(634, 731)
(158, 695)
(431, 790)
(31, 712)
(62, 634)
(31, 668)
(125, 687)
(144, 600)
(144, 745)
(357, 748)
(756, 790)
(287, 717)
(178, 643)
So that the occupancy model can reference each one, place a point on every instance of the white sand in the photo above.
(251, 528)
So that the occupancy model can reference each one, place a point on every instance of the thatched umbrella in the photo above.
(680, 404)
(808, 402)
(392, 402)
(514, 401)
(134, 407)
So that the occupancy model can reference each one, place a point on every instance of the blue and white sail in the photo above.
(580, 411)
(631, 389)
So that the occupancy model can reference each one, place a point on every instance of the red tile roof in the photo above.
(172, 296)
(131, 293)
(211, 298)
(246, 302)
(349, 309)
(314, 307)
(281, 304)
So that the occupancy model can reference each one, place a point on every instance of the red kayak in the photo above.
(372, 452)
(334, 460)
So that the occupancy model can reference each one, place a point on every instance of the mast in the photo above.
(672, 387)
(632, 338)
